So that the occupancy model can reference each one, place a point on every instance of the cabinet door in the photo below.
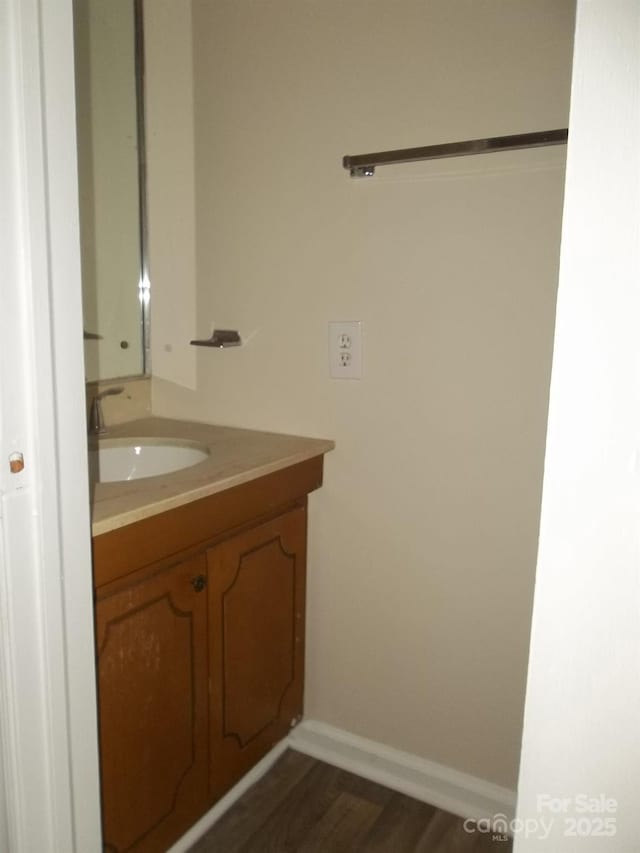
(152, 679)
(256, 613)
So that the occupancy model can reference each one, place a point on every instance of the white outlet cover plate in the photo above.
(345, 349)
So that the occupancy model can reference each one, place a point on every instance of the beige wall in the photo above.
(169, 95)
(423, 539)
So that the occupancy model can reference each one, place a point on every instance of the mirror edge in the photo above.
(145, 282)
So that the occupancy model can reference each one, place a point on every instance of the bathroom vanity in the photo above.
(200, 602)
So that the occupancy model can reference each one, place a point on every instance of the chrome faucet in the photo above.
(97, 425)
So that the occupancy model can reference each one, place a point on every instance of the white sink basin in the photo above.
(116, 459)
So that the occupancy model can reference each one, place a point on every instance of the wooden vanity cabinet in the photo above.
(200, 652)
(153, 707)
(256, 643)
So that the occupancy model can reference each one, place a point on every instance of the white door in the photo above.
(49, 801)
(580, 766)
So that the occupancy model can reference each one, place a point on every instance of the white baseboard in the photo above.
(409, 774)
(206, 821)
(443, 787)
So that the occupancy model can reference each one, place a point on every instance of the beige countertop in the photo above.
(235, 456)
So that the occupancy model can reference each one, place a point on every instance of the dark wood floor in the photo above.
(305, 806)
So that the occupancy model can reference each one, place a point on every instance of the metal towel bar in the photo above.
(220, 338)
(363, 165)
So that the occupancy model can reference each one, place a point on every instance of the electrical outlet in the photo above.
(345, 349)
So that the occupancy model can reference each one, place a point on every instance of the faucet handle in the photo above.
(96, 417)
(109, 392)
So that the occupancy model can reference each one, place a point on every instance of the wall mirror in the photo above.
(111, 173)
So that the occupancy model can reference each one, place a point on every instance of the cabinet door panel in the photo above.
(152, 671)
(256, 601)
